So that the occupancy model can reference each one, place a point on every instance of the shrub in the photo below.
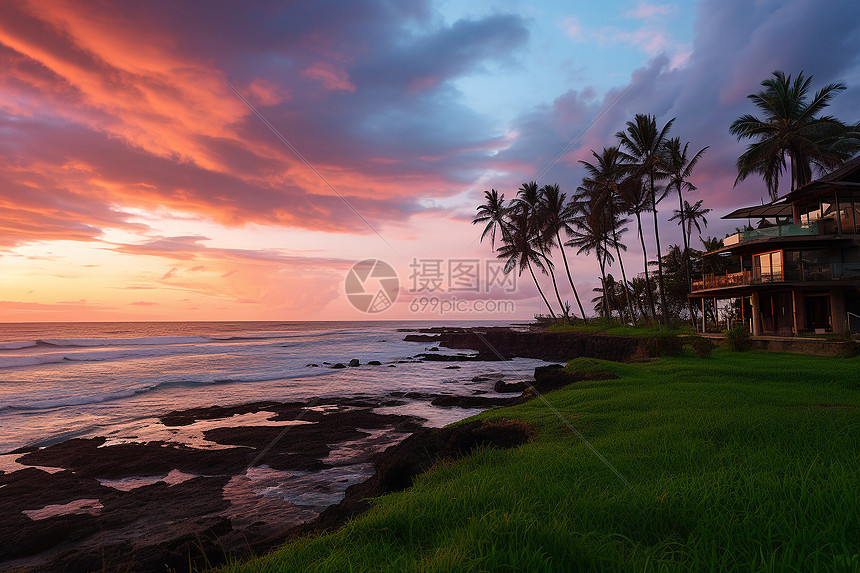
(738, 338)
(661, 344)
(852, 346)
(702, 346)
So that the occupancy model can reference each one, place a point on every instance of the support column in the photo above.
(798, 308)
(756, 314)
(838, 317)
(704, 320)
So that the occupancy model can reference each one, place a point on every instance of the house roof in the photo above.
(835, 177)
(769, 210)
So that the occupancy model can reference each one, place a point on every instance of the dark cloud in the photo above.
(134, 93)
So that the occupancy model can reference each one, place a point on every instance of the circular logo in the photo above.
(371, 285)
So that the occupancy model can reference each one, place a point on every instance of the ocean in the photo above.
(65, 380)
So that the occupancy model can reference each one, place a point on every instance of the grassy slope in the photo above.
(738, 462)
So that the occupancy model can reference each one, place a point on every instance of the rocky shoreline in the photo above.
(66, 513)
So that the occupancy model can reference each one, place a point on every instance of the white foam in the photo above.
(142, 341)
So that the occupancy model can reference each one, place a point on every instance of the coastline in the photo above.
(84, 502)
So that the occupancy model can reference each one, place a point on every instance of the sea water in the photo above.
(64, 380)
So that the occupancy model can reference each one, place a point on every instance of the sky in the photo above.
(222, 160)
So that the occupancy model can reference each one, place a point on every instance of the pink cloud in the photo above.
(644, 11)
(330, 76)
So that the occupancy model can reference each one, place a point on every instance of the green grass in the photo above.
(613, 328)
(741, 462)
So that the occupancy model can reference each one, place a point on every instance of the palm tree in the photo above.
(556, 216)
(693, 214)
(792, 128)
(492, 212)
(643, 143)
(679, 169)
(603, 179)
(590, 233)
(640, 288)
(608, 297)
(528, 201)
(634, 200)
(519, 247)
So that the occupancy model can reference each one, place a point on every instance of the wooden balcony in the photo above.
(805, 273)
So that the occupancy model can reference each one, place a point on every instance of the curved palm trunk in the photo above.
(534, 278)
(567, 268)
(558, 296)
(686, 255)
(605, 297)
(630, 310)
(659, 257)
(647, 278)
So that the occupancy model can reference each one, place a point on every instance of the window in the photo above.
(768, 266)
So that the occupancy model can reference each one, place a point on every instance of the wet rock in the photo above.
(312, 365)
(554, 376)
(339, 365)
(86, 458)
(562, 346)
(186, 417)
(397, 467)
(473, 401)
(159, 527)
(421, 338)
(480, 379)
(446, 358)
(374, 363)
(354, 362)
(503, 387)
(455, 367)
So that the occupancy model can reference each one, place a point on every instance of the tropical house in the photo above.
(799, 271)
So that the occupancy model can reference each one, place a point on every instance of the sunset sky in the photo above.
(136, 185)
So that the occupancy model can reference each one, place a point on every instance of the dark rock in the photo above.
(186, 417)
(455, 367)
(480, 379)
(447, 358)
(503, 387)
(159, 527)
(86, 458)
(474, 401)
(433, 349)
(554, 376)
(312, 365)
(339, 365)
(374, 363)
(420, 338)
(504, 343)
(354, 362)
(397, 467)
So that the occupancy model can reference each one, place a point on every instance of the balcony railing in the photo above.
(805, 273)
(793, 230)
